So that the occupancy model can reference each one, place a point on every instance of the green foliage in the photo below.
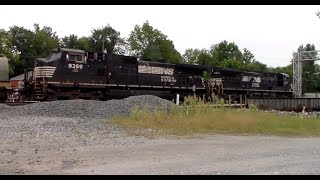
(286, 69)
(309, 81)
(225, 51)
(168, 51)
(231, 63)
(105, 36)
(252, 107)
(205, 59)
(256, 66)
(198, 57)
(151, 44)
(222, 103)
(44, 40)
(7, 49)
(84, 44)
(206, 76)
(215, 99)
(191, 56)
(224, 54)
(196, 117)
(247, 56)
(143, 37)
(22, 46)
(70, 41)
(31, 44)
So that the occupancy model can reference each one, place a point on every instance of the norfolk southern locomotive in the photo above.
(72, 74)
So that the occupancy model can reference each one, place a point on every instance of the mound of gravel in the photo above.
(89, 108)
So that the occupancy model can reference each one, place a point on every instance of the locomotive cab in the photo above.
(283, 79)
(62, 56)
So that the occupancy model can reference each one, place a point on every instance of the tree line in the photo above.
(22, 46)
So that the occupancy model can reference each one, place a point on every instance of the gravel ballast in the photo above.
(89, 108)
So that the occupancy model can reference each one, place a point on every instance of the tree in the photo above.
(308, 70)
(285, 69)
(150, 44)
(168, 52)
(144, 37)
(205, 59)
(152, 53)
(32, 44)
(231, 63)
(191, 56)
(83, 43)
(105, 37)
(225, 51)
(22, 40)
(124, 48)
(45, 39)
(70, 41)
(256, 66)
(250, 63)
(7, 49)
(247, 56)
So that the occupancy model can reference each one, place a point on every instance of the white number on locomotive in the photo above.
(168, 79)
(75, 66)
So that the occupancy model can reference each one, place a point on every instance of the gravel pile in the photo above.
(72, 121)
(89, 108)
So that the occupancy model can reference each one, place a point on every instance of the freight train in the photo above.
(76, 74)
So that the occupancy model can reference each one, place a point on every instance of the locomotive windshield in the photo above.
(74, 57)
(285, 76)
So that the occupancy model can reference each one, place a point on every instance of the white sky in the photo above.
(271, 33)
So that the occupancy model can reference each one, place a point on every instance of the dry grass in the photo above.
(194, 117)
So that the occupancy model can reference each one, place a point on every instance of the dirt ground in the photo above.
(216, 154)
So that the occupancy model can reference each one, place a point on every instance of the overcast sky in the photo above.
(271, 33)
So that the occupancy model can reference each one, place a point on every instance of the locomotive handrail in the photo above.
(43, 85)
(35, 79)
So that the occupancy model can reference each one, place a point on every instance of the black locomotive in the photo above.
(72, 74)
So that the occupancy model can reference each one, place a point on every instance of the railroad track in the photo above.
(19, 103)
(282, 104)
(286, 104)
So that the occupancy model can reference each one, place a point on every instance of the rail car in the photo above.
(4, 78)
(253, 84)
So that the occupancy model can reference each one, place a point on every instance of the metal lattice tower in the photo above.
(298, 58)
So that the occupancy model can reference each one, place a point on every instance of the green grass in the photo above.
(195, 117)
